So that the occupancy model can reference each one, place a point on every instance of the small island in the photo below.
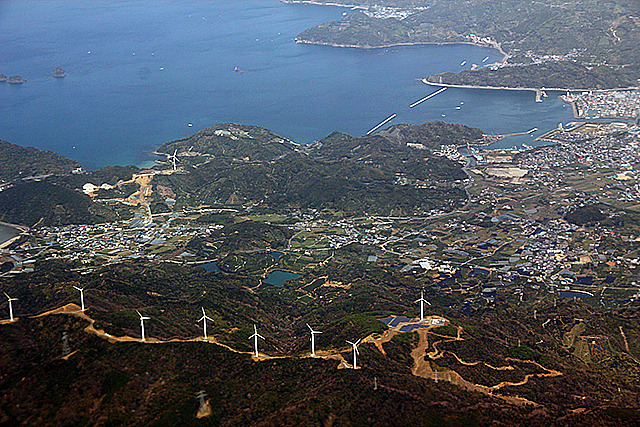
(59, 73)
(15, 80)
(3, 78)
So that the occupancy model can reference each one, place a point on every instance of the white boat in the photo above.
(463, 63)
(190, 124)
(485, 59)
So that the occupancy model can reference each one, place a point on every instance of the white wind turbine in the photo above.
(255, 337)
(81, 296)
(355, 352)
(313, 340)
(142, 319)
(10, 306)
(204, 319)
(422, 301)
(173, 158)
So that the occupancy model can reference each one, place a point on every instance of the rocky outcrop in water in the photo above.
(14, 80)
(59, 73)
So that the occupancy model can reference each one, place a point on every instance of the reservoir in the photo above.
(575, 294)
(211, 267)
(277, 278)
(7, 233)
(139, 72)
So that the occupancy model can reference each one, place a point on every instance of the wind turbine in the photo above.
(255, 336)
(142, 319)
(173, 158)
(355, 352)
(422, 301)
(10, 306)
(81, 296)
(313, 340)
(205, 318)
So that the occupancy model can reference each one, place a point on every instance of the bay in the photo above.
(139, 72)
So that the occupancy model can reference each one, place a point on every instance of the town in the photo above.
(526, 229)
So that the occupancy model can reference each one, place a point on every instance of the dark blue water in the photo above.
(139, 71)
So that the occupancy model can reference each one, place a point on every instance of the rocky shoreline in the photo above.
(385, 46)
(14, 80)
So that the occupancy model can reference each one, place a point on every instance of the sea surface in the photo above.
(139, 72)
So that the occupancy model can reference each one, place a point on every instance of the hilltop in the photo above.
(111, 377)
(232, 165)
(17, 162)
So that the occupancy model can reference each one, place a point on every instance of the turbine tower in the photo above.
(204, 319)
(313, 340)
(81, 296)
(255, 337)
(355, 352)
(142, 319)
(422, 301)
(173, 158)
(10, 306)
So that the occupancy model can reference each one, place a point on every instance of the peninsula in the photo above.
(574, 44)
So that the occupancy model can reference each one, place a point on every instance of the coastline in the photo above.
(505, 56)
(351, 6)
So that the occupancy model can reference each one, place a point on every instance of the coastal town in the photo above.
(526, 228)
(620, 105)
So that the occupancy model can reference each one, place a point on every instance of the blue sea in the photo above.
(139, 72)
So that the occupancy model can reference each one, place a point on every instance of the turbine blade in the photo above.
(7, 295)
(260, 336)
(200, 319)
(139, 314)
(203, 313)
(309, 327)
(357, 351)
(358, 342)
(351, 343)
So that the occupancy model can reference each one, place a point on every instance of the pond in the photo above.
(575, 294)
(211, 267)
(277, 278)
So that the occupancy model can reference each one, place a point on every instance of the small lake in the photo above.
(575, 294)
(276, 255)
(7, 233)
(277, 278)
(211, 267)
